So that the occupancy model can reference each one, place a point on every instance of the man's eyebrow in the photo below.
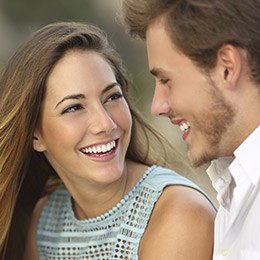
(74, 96)
(82, 96)
(157, 71)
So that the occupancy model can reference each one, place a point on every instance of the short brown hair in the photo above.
(198, 28)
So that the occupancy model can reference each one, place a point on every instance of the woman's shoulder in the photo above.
(160, 177)
(48, 203)
(40, 205)
(185, 204)
(31, 252)
(178, 199)
(182, 224)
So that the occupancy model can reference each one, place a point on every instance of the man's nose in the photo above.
(160, 105)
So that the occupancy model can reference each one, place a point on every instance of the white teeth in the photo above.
(184, 126)
(104, 148)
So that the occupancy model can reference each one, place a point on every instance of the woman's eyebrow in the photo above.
(112, 85)
(82, 96)
(73, 96)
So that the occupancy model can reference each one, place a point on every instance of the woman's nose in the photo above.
(102, 122)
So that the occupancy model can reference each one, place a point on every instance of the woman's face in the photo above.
(86, 124)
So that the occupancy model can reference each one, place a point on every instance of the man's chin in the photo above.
(199, 160)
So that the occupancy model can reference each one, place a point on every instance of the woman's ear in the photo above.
(38, 144)
(230, 62)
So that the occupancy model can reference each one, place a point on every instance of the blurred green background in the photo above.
(18, 18)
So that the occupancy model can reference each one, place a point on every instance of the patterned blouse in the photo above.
(113, 235)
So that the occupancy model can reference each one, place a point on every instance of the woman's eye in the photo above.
(72, 109)
(114, 96)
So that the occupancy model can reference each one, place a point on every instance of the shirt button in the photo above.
(224, 252)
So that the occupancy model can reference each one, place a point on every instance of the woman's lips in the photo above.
(101, 152)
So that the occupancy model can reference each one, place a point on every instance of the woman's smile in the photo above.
(101, 152)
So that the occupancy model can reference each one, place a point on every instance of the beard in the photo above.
(213, 124)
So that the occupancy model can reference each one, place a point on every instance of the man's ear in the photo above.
(38, 144)
(230, 63)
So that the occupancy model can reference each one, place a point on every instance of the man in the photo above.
(205, 57)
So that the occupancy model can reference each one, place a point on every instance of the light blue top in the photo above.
(113, 235)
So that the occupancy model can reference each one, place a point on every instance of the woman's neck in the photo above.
(90, 202)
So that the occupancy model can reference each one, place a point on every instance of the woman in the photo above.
(77, 171)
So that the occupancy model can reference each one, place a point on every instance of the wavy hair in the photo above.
(25, 172)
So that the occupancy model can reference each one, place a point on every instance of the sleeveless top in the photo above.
(113, 235)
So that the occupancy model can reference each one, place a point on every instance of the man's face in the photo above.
(188, 97)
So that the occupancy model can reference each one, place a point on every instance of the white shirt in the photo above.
(237, 181)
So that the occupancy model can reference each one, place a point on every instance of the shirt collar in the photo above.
(221, 178)
(248, 155)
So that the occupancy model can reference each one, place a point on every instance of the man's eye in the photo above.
(164, 81)
(72, 109)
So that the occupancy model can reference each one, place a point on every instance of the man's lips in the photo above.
(183, 125)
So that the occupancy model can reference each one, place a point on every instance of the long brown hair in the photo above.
(23, 171)
(199, 28)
